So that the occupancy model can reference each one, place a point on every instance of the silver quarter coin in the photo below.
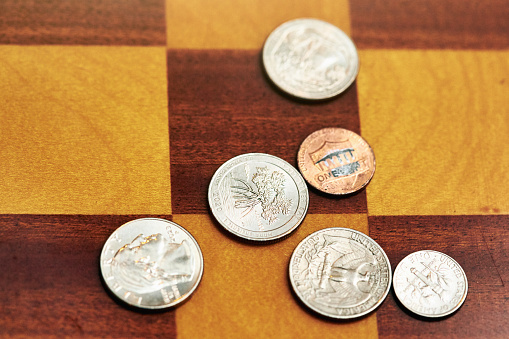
(151, 263)
(310, 59)
(258, 197)
(340, 273)
(430, 284)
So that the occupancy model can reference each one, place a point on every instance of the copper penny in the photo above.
(336, 161)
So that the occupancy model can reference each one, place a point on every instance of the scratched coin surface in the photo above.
(336, 161)
(430, 284)
(310, 59)
(151, 263)
(340, 273)
(258, 197)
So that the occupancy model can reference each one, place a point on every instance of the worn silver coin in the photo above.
(310, 59)
(340, 273)
(151, 263)
(258, 197)
(430, 284)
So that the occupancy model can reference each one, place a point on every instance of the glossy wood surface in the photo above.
(114, 110)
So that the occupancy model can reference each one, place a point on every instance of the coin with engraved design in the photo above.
(430, 284)
(340, 273)
(310, 59)
(336, 161)
(151, 263)
(258, 197)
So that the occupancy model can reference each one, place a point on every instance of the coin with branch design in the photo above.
(258, 197)
(340, 273)
(430, 284)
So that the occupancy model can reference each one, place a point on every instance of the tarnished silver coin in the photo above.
(340, 273)
(430, 284)
(310, 59)
(258, 197)
(151, 263)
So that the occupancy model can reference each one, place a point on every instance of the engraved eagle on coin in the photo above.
(347, 280)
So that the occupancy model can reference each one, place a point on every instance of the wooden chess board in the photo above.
(114, 110)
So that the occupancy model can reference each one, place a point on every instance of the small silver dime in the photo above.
(310, 59)
(340, 273)
(258, 197)
(430, 284)
(151, 263)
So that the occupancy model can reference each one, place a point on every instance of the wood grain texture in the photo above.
(222, 101)
(430, 24)
(53, 286)
(94, 22)
(84, 131)
(248, 289)
(484, 260)
(438, 122)
(233, 24)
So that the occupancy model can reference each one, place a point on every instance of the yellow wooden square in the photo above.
(438, 122)
(214, 27)
(84, 130)
(245, 291)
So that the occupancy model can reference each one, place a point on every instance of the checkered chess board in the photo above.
(114, 110)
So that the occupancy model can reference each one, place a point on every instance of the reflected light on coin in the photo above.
(258, 197)
(340, 273)
(151, 263)
(336, 161)
(310, 59)
(430, 284)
